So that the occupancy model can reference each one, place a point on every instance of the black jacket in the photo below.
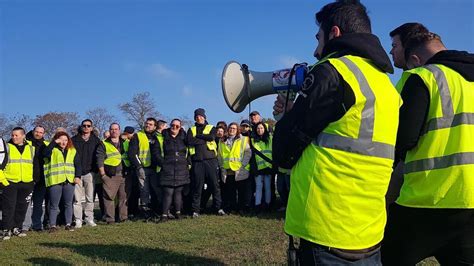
(199, 143)
(86, 151)
(48, 151)
(327, 99)
(134, 149)
(39, 147)
(175, 164)
(416, 99)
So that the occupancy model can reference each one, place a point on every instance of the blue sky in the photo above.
(78, 55)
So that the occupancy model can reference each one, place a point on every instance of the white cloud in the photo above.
(187, 91)
(287, 61)
(160, 71)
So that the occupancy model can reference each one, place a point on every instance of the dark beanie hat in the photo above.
(129, 130)
(200, 112)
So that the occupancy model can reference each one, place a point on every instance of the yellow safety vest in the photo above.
(114, 158)
(439, 171)
(338, 185)
(20, 166)
(58, 170)
(232, 157)
(266, 149)
(211, 145)
(126, 145)
(144, 153)
(159, 137)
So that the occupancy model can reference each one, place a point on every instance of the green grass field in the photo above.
(207, 240)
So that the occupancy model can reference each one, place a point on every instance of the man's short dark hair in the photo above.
(87, 120)
(160, 123)
(349, 15)
(404, 31)
(19, 128)
(39, 126)
(415, 41)
(152, 119)
(114, 123)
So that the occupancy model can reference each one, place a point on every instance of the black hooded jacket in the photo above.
(327, 99)
(39, 147)
(416, 99)
(87, 152)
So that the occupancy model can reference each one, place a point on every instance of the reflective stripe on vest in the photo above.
(114, 158)
(58, 170)
(338, 185)
(20, 165)
(144, 153)
(364, 144)
(438, 170)
(211, 145)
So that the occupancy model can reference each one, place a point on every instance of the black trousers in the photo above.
(206, 172)
(14, 204)
(413, 234)
(172, 195)
(236, 195)
(133, 192)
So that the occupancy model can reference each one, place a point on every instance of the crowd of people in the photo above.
(155, 174)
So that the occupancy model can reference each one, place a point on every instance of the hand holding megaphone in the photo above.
(279, 106)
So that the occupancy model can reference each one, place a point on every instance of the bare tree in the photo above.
(101, 118)
(140, 108)
(53, 120)
(186, 122)
(5, 127)
(22, 120)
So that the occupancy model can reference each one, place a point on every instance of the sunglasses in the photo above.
(86, 125)
(175, 126)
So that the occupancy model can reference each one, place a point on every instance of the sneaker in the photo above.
(163, 219)
(6, 235)
(69, 228)
(171, 216)
(221, 212)
(195, 215)
(52, 229)
(281, 209)
(18, 232)
(178, 216)
(78, 224)
(91, 223)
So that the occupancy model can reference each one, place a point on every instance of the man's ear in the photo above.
(334, 32)
(415, 60)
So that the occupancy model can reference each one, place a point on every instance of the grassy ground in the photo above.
(207, 240)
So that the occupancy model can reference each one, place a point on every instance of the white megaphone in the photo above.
(240, 86)
(3, 154)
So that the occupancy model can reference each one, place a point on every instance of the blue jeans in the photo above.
(260, 182)
(66, 191)
(318, 255)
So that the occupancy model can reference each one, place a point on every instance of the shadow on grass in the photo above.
(131, 254)
(47, 261)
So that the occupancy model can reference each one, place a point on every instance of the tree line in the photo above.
(135, 111)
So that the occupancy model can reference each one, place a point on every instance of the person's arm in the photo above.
(327, 98)
(77, 169)
(247, 154)
(48, 150)
(156, 158)
(133, 152)
(413, 113)
(101, 155)
(36, 166)
(208, 137)
(193, 141)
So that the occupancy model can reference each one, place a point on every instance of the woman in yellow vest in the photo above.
(262, 143)
(234, 156)
(62, 171)
(17, 182)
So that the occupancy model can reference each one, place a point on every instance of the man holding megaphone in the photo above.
(338, 138)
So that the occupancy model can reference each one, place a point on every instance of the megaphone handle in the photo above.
(245, 71)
